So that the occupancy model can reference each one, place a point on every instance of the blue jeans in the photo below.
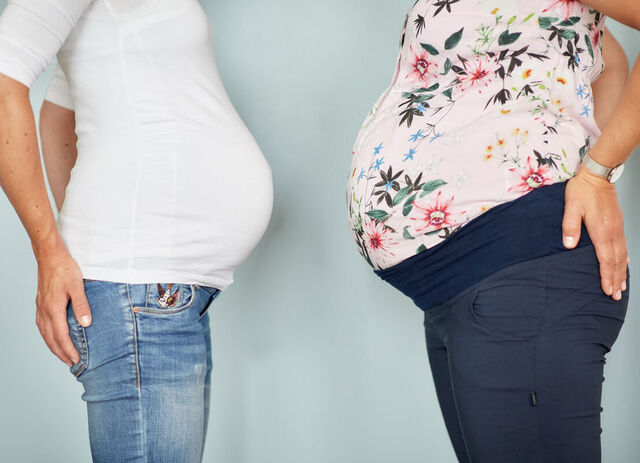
(145, 364)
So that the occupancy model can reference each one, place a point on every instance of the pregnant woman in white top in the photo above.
(168, 195)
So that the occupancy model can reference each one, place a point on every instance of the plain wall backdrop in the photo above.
(316, 360)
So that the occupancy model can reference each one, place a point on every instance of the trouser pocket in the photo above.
(79, 339)
(212, 294)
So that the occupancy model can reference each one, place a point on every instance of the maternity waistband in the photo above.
(525, 228)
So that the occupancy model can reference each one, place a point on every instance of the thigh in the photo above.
(145, 363)
(107, 371)
(440, 371)
(173, 361)
(582, 326)
(527, 349)
(492, 371)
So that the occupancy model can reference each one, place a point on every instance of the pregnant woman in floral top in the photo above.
(482, 187)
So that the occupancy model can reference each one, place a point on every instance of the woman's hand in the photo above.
(60, 280)
(593, 200)
(21, 177)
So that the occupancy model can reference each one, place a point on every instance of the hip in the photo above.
(527, 228)
(157, 310)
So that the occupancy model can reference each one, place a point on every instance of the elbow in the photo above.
(617, 64)
(11, 90)
(622, 66)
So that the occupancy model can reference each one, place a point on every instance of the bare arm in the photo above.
(21, 177)
(58, 137)
(592, 199)
(31, 34)
(609, 87)
(620, 137)
(20, 169)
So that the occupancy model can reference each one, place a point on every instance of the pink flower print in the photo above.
(434, 216)
(594, 35)
(478, 74)
(377, 240)
(532, 178)
(568, 5)
(422, 69)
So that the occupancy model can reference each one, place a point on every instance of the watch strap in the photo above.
(597, 168)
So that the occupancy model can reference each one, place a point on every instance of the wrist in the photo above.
(593, 179)
(48, 245)
(611, 174)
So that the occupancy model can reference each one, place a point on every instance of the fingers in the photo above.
(605, 252)
(622, 261)
(571, 224)
(63, 340)
(52, 324)
(611, 250)
(597, 205)
(80, 304)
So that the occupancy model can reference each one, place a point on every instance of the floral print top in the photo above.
(490, 100)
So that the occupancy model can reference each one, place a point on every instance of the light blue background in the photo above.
(315, 359)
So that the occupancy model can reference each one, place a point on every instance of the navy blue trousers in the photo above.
(517, 330)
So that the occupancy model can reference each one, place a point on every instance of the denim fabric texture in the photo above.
(146, 370)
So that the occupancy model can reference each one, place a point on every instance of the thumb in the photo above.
(80, 305)
(571, 225)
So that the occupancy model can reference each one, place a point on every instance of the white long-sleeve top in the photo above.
(169, 185)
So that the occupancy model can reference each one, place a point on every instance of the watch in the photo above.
(612, 174)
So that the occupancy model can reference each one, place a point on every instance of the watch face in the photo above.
(616, 174)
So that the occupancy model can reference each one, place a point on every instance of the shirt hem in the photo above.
(152, 276)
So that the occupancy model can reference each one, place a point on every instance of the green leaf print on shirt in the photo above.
(531, 65)
(431, 186)
(378, 214)
(408, 205)
(453, 40)
(546, 21)
(406, 235)
(570, 22)
(589, 46)
(401, 195)
(506, 38)
(430, 48)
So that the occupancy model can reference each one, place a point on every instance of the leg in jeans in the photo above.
(439, 363)
(144, 371)
(526, 349)
(206, 330)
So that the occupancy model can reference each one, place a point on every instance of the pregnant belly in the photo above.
(213, 206)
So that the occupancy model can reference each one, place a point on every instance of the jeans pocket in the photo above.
(212, 294)
(79, 339)
(167, 298)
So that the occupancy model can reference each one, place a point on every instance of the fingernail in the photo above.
(618, 295)
(569, 241)
(85, 321)
(624, 286)
(69, 364)
(610, 292)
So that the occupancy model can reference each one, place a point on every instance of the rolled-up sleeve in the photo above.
(58, 90)
(32, 32)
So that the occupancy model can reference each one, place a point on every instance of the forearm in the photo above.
(21, 175)
(621, 135)
(609, 87)
(58, 137)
